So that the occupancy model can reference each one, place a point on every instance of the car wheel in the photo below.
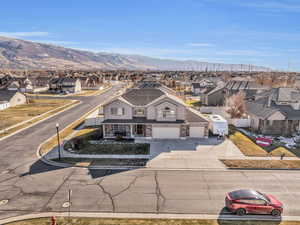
(240, 212)
(275, 212)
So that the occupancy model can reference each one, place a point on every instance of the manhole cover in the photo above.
(3, 202)
(66, 205)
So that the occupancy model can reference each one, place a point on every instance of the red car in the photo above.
(244, 202)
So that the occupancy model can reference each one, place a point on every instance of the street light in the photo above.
(57, 132)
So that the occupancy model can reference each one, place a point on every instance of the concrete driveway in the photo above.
(191, 153)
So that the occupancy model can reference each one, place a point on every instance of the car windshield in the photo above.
(243, 194)
(263, 196)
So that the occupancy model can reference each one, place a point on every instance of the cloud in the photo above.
(24, 34)
(200, 44)
(246, 53)
(57, 42)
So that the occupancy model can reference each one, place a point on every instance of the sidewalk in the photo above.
(150, 216)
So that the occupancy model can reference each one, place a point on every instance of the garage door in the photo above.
(165, 132)
(197, 132)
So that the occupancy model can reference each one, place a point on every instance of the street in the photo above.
(30, 186)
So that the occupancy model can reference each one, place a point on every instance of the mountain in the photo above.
(20, 54)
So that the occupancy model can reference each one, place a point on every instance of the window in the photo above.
(167, 112)
(139, 112)
(117, 111)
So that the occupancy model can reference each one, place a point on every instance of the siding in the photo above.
(118, 104)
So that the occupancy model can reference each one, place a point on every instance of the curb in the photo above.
(16, 132)
(149, 216)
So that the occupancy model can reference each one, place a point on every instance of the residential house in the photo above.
(250, 88)
(65, 84)
(13, 86)
(11, 98)
(151, 113)
(275, 112)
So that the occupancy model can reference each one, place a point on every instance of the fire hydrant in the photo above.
(53, 219)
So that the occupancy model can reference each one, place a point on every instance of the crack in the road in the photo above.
(159, 195)
(112, 196)
(64, 181)
(207, 186)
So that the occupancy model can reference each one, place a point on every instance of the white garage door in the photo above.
(197, 132)
(165, 132)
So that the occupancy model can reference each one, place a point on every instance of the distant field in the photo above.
(19, 114)
(14, 115)
(107, 221)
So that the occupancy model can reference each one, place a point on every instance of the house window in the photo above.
(139, 112)
(117, 111)
(167, 112)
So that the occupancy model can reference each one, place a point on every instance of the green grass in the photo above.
(108, 221)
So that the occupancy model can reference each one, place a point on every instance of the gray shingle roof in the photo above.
(193, 117)
(143, 96)
(141, 120)
(6, 95)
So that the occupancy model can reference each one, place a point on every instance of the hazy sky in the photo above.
(261, 32)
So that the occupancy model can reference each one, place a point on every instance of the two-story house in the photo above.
(151, 113)
(65, 84)
(275, 112)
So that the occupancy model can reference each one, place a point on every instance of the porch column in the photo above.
(103, 130)
(131, 132)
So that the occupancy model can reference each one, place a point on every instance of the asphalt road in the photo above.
(32, 186)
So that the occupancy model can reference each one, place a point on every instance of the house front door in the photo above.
(140, 130)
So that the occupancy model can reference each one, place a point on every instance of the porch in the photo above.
(127, 130)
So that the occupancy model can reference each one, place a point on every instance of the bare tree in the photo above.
(235, 105)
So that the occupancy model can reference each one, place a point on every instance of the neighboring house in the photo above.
(4, 105)
(211, 93)
(250, 88)
(13, 86)
(11, 98)
(5, 79)
(275, 112)
(151, 113)
(214, 97)
(65, 84)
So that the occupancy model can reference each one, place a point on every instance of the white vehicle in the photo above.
(218, 125)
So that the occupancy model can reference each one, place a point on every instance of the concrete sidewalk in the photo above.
(192, 154)
(150, 216)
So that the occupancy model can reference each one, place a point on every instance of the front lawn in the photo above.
(247, 146)
(261, 164)
(85, 162)
(113, 149)
(110, 221)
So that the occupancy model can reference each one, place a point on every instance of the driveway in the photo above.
(191, 153)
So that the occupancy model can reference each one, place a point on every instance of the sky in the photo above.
(259, 32)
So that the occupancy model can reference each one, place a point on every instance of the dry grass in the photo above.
(262, 164)
(52, 142)
(281, 150)
(247, 147)
(46, 115)
(36, 107)
(107, 221)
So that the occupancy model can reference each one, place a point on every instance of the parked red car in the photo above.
(244, 202)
